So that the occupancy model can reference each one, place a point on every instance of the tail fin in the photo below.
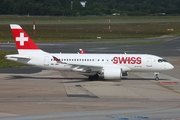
(23, 42)
(81, 51)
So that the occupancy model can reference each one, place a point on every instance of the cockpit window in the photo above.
(159, 60)
(162, 60)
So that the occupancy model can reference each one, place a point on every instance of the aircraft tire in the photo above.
(96, 76)
(157, 79)
(91, 78)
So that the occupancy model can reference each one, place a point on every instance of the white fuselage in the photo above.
(128, 62)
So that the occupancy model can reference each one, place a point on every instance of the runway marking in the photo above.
(170, 39)
(170, 83)
(127, 118)
(165, 83)
(2, 114)
(167, 87)
(75, 89)
(118, 118)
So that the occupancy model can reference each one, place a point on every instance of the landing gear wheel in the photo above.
(91, 78)
(157, 78)
(156, 74)
(96, 76)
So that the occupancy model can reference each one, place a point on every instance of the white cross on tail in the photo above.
(21, 39)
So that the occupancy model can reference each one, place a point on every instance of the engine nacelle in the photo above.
(112, 73)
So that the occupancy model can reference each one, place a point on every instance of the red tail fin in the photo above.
(81, 51)
(22, 40)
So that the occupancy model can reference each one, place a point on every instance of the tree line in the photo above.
(92, 7)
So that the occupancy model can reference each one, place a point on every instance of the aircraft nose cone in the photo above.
(170, 66)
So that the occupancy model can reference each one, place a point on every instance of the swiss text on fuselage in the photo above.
(127, 60)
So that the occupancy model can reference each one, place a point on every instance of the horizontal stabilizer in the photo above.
(17, 56)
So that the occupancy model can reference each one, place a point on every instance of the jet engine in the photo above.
(112, 73)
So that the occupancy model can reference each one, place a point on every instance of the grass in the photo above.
(91, 19)
(90, 32)
(6, 63)
(56, 29)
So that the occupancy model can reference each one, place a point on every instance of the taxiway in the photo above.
(30, 93)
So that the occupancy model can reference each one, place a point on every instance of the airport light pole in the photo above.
(71, 5)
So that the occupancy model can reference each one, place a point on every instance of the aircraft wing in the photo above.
(85, 68)
(96, 68)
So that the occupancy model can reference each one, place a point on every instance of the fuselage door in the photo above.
(149, 62)
(46, 61)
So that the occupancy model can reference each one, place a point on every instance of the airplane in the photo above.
(109, 66)
(81, 51)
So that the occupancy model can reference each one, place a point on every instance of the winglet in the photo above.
(81, 51)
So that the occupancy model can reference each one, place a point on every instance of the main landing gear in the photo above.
(156, 76)
(93, 77)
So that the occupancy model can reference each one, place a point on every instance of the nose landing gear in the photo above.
(156, 76)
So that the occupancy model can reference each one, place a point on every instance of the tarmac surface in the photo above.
(169, 46)
(30, 93)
